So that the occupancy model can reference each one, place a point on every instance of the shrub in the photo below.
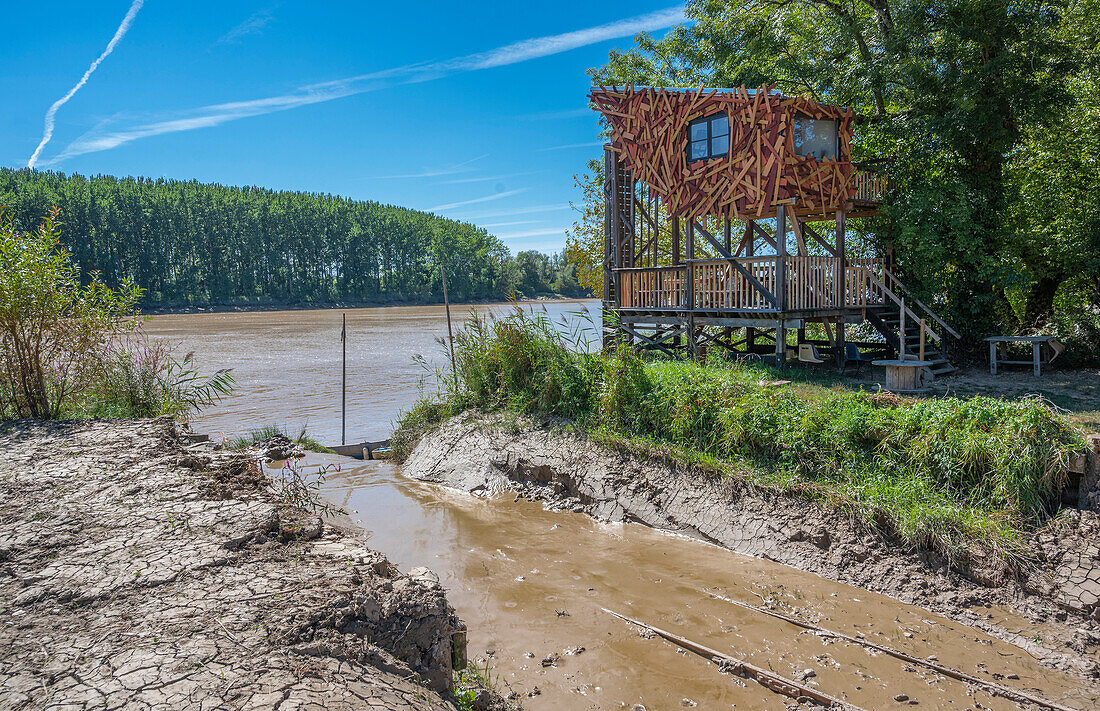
(138, 377)
(53, 330)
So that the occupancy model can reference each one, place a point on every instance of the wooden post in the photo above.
(344, 380)
(690, 328)
(750, 251)
(901, 332)
(841, 288)
(781, 257)
(992, 357)
(450, 333)
(922, 339)
(1035, 358)
(781, 343)
(675, 240)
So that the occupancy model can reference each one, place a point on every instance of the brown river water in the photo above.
(531, 583)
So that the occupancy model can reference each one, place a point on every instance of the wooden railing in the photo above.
(811, 282)
(862, 283)
(720, 285)
(869, 186)
(653, 287)
(752, 283)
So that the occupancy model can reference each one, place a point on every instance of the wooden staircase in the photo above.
(900, 319)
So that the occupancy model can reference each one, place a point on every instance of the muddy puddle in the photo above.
(530, 583)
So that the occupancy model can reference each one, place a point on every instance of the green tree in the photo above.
(949, 88)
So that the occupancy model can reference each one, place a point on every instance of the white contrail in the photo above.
(217, 114)
(123, 28)
(487, 198)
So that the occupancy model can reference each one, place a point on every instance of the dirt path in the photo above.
(140, 569)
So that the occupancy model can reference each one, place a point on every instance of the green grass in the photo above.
(269, 431)
(940, 474)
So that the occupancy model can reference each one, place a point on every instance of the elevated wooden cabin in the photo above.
(704, 191)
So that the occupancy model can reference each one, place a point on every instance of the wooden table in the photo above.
(905, 376)
(998, 352)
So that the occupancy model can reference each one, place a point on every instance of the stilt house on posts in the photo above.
(704, 191)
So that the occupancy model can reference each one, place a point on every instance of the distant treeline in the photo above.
(190, 243)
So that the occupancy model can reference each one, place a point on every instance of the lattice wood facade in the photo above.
(761, 169)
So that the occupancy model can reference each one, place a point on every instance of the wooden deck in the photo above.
(754, 285)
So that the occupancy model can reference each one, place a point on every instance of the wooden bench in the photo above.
(1044, 349)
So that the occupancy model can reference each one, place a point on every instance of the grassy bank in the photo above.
(941, 473)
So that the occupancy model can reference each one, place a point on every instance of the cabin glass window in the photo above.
(815, 138)
(709, 137)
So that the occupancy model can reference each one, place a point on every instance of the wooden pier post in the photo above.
(841, 288)
(781, 283)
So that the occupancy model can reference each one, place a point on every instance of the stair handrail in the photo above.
(921, 304)
(901, 303)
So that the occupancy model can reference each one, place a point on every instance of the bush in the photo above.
(137, 377)
(54, 330)
(68, 349)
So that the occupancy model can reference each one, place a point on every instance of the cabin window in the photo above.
(815, 138)
(709, 137)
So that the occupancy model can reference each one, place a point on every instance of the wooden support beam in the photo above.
(676, 260)
(841, 296)
(764, 236)
(781, 258)
(800, 240)
(646, 339)
(819, 239)
(722, 251)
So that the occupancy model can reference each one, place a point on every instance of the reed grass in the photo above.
(939, 474)
(268, 431)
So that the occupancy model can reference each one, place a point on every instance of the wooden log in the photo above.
(768, 679)
(990, 686)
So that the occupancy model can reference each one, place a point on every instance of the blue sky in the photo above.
(471, 110)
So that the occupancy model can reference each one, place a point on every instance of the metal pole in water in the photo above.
(450, 333)
(344, 381)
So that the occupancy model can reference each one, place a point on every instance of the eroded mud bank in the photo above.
(1055, 604)
(141, 568)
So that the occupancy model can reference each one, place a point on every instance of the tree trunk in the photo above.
(1040, 298)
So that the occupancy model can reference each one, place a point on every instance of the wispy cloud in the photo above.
(566, 114)
(254, 25)
(588, 144)
(217, 114)
(463, 167)
(530, 210)
(533, 233)
(489, 178)
(51, 113)
(513, 223)
(487, 198)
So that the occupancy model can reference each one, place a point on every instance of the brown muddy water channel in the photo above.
(530, 583)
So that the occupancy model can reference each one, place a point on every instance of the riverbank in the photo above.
(261, 307)
(141, 566)
(1052, 607)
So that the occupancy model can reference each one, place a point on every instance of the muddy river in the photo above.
(531, 584)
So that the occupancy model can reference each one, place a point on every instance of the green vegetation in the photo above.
(269, 431)
(983, 113)
(470, 683)
(73, 350)
(188, 243)
(939, 473)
